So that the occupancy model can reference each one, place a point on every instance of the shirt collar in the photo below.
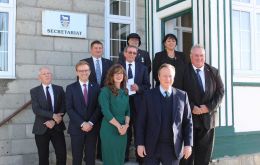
(127, 63)
(94, 58)
(168, 90)
(81, 83)
(44, 86)
(201, 69)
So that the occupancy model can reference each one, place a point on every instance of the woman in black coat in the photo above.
(170, 56)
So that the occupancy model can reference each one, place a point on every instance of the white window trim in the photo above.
(117, 19)
(11, 9)
(248, 75)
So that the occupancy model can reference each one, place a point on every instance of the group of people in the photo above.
(172, 123)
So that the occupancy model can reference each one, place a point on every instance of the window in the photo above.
(119, 23)
(246, 38)
(7, 33)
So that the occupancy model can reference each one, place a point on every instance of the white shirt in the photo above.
(163, 91)
(132, 67)
(95, 63)
(51, 93)
(82, 87)
(202, 75)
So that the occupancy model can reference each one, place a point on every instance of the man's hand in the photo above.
(141, 151)
(57, 117)
(204, 109)
(196, 110)
(86, 127)
(49, 124)
(134, 87)
(187, 152)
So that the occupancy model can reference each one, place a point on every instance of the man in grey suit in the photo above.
(164, 122)
(48, 105)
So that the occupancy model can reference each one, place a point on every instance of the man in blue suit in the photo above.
(85, 115)
(140, 83)
(164, 123)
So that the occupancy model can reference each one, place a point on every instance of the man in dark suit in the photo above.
(98, 65)
(85, 115)
(136, 72)
(205, 89)
(48, 105)
(164, 122)
(133, 39)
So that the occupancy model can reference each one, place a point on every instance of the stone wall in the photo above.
(33, 50)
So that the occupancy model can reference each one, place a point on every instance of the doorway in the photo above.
(180, 25)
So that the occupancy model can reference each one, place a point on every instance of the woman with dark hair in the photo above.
(170, 56)
(114, 102)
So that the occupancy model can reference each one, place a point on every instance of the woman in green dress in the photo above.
(114, 102)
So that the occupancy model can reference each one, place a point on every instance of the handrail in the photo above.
(15, 113)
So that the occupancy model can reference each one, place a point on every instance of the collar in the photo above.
(81, 83)
(94, 58)
(168, 90)
(133, 63)
(201, 69)
(44, 86)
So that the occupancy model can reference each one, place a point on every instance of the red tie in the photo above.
(85, 93)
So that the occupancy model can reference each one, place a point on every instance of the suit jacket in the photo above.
(106, 64)
(214, 92)
(179, 64)
(41, 109)
(141, 57)
(149, 121)
(78, 111)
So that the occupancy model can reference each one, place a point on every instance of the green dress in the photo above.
(113, 144)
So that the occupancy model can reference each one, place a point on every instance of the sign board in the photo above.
(64, 24)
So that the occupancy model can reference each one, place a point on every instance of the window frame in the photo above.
(250, 75)
(10, 8)
(109, 18)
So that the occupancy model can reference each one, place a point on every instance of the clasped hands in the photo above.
(57, 118)
(200, 110)
(122, 129)
(86, 127)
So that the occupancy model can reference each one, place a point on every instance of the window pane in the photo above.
(4, 1)
(244, 1)
(186, 20)
(120, 7)
(118, 35)
(244, 20)
(258, 22)
(3, 41)
(257, 2)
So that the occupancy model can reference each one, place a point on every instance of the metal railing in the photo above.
(8, 118)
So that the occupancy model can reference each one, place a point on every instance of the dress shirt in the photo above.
(51, 93)
(95, 63)
(202, 75)
(132, 67)
(169, 91)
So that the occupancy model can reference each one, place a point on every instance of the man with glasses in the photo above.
(138, 82)
(85, 115)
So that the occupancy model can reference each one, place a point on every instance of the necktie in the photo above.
(85, 93)
(166, 94)
(200, 82)
(49, 99)
(130, 73)
(98, 72)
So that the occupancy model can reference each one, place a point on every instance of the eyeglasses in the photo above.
(130, 52)
(45, 74)
(83, 71)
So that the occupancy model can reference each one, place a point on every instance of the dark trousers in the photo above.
(86, 143)
(164, 154)
(131, 130)
(58, 141)
(203, 147)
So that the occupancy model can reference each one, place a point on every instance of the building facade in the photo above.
(229, 30)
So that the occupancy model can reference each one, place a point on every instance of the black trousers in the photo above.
(202, 147)
(58, 141)
(131, 130)
(86, 143)
(164, 154)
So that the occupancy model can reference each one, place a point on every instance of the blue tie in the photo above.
(98, 72)
(130, 73)
(200, 82)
